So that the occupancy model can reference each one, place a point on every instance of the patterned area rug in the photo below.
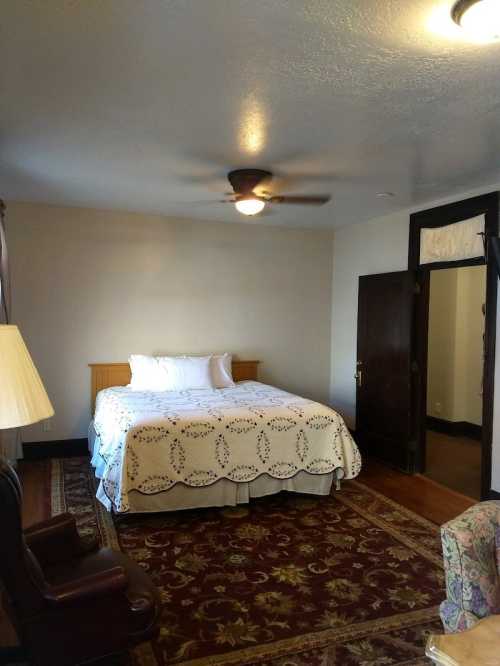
(350, 579)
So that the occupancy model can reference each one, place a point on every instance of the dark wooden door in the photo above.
(385, 423)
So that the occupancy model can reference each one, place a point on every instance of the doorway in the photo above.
(392, 342)
(455, 357)
(453, 221)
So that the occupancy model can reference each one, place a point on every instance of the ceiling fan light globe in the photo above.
(250, 206)
(480, 19)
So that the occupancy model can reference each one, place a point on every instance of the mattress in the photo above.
(150, 443)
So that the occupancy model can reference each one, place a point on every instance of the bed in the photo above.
(159, 451)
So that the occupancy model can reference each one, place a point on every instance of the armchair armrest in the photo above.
(95, 585)
(56, 540)
(62, 521)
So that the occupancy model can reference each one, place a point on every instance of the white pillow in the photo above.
(188, 372)
(147, 374)
(222, 375)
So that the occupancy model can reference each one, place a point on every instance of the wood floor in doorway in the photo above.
(455, 462)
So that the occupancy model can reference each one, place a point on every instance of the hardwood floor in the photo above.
(464, 475)
(418, 493)
(36, 491)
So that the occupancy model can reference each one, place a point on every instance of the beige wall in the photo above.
(456, 326)
(441, 341)
(96, 286)
(378, 246)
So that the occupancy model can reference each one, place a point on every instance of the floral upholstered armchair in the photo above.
(471, 551)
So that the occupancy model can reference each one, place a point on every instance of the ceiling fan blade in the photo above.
(304, 200)
(204, 202)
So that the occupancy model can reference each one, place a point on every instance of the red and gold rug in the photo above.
(350, 579)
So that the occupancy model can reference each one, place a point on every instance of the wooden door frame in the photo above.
(487, 205)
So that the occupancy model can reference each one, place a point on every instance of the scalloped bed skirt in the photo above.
(221, 493)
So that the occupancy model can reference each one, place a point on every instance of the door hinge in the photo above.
(417, 289)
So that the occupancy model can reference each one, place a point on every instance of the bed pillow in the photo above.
(147, 374)
(187, 372)
(222, 376)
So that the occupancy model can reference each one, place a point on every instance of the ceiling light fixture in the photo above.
(250, 205)
(479, 18)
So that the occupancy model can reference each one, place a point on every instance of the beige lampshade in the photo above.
(23, 399)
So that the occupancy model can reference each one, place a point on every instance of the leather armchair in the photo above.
(69, 601)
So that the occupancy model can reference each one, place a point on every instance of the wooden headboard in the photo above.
(104, 375)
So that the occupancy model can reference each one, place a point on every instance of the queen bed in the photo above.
(166, 450)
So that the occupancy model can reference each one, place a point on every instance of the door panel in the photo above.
(384, 424)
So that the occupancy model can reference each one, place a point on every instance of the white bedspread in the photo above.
(151, 441)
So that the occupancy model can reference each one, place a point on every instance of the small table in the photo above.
(477, 646)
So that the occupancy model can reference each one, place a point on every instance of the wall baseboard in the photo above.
(62, 448)
(455, 428)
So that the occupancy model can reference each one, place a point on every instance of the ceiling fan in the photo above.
(250, 198)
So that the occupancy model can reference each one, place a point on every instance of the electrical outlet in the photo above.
(47, 425)
(438, 407)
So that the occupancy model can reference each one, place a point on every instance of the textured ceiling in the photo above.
(144, 106)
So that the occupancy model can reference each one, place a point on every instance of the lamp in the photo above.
(23, 399)
(250, 205)
(479, 18)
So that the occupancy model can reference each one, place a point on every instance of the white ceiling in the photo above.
(144, 106)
